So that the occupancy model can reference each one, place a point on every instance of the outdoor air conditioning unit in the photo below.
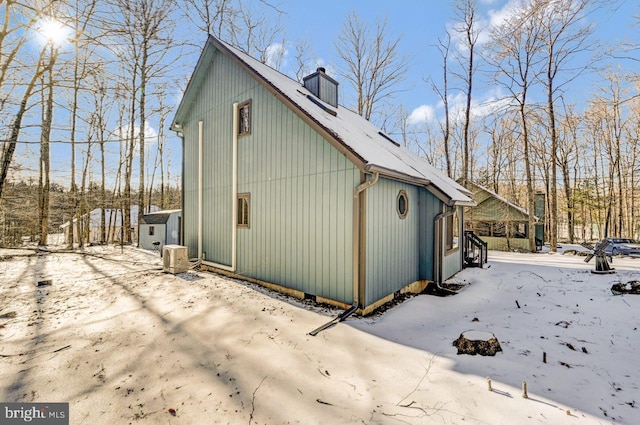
(175, 259)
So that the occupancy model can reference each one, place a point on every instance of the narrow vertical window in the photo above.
(243, 210)
(452, 231)
(244, 118)
(152, 230)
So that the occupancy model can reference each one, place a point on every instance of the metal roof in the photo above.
(158, 217)
(358, 139)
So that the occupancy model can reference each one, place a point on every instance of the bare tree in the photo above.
(146, 32)
(304, 54)
(12, 41)
(567, 160)
(252, 27)
(468, 31)
(515, 56)
(44, 183)
(443, 94)
(83, 15)
(565, 34)
(373, 65)
(211, 16)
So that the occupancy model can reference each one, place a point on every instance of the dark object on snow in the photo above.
(46, 282)
(477, 346)
(632, 287)
(602, 258)
(9, 315)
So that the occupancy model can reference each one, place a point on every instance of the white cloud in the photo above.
(485, 24)
(498, 17)
(150, 135)
(276, 55)
(422, 114)
(483, 105)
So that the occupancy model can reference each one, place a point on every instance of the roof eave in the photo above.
(436, 191)
(191, 91)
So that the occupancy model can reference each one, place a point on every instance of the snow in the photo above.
(353, 131)
(123, 342)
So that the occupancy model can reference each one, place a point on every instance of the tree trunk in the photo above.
(16, 125)
(45, 158)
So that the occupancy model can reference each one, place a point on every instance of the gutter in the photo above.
(359, 212)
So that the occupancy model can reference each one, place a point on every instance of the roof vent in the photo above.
(322, 86)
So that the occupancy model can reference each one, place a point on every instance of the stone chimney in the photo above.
(322, 86)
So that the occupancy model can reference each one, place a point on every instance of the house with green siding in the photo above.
(284, 187)
(503, 225)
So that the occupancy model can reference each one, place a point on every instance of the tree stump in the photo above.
(631, 287)
(483, 347)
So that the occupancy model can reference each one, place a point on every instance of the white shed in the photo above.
(159, 228)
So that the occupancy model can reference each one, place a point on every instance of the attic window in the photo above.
(402, 204)
(244, 118)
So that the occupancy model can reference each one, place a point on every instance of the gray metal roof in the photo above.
(358, 139)
(158, 217)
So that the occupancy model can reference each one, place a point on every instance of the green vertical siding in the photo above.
(301, 189)
(393, 244)
(430, 207)
(190, 188)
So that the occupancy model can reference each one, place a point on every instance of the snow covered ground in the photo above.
(123, 343)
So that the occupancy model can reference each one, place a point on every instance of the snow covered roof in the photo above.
(502, 200)
(358, 139)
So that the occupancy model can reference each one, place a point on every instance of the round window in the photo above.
(403, 204)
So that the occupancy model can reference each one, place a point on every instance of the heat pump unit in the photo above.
(175, 259)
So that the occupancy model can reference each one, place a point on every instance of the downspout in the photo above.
(181, 227)
(234, 196)
(357, 211)
(200, 171)
(438, 258)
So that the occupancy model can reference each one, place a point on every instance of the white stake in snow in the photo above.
(489, 383)
(524, 390)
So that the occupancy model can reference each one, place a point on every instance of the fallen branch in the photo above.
(33, 351)
(427, 369)
(253, 400)
(60, 349)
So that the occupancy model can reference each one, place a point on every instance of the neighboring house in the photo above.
(113, 225)
(284, 187)
(159, 228)
(503, 225)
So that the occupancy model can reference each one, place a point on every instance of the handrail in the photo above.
(473, 243)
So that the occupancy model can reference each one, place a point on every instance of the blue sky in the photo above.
(418, 23)
(421, 23)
